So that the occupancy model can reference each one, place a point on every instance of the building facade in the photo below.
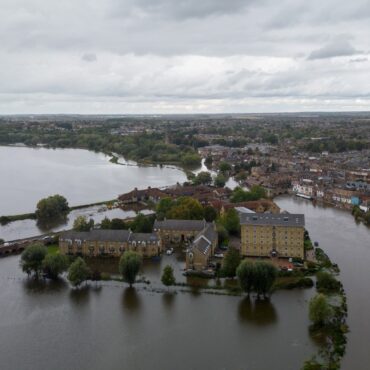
(270, 235)
(177, 231)
(113, 243)
(202, 248)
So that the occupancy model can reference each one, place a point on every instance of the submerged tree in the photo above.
(54, 265)
(265, 275)
(246, 275)
(51, 208)
(32, 258)
(320, 311)
(129, 266)
(258, 276)
(168, 278)
(78, 272)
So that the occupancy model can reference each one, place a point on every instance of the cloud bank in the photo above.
(140, 56)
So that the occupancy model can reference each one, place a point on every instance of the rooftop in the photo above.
(285, 219)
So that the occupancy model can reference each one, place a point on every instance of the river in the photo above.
(348, 244)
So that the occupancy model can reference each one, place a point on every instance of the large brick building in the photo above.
(112, 243)
(269, 235)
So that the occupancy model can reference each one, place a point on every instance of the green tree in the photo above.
(210, 214)
(191, 160)
(54, 265)
(118, 224)
(246, 275)
(231, 262)
(142, 223)
(168, 278)
(320, 312)
(224, 167)
(106, 223)
(240, 195)
(51, 208)
(32, 258)
(220, 180)
(129, 266)
(164, 205)
(186, 208)
(81, 224)
(203, 178)
(326, 282)
(78, 272)
(230, 220)
(265, 276)
(208, 162)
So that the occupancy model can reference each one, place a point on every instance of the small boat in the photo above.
(316, 244)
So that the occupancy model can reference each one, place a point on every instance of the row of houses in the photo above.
(356, 193)
(204, 194)
(200, 237)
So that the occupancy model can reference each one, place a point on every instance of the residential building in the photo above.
(266, 235)
(112, 243)
(202, 248)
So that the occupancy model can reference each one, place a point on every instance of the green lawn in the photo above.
(53, 249)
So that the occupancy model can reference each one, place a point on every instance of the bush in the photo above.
(327, 283)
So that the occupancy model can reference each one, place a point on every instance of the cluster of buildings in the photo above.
(200, 237)
(262, 235)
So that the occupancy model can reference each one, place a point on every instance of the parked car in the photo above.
(169, 251)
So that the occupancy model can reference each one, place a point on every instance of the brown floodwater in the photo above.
(109, 326)
(348, 244)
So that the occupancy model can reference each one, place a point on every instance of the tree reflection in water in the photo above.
(40, 286)
(131, 300)
(168, 299)
(258, 312)
(80, 296)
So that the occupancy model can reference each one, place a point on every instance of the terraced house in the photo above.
(176, 231)
(272, 235)
(112, 243)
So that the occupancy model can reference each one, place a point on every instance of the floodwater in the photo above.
(348, 244)
(109, 326)
(83, 177)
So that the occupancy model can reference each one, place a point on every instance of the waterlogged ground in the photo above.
(109, 326)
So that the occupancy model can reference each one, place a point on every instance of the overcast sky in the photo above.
(184, 56)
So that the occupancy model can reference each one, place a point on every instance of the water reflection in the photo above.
(131, 301)
(258, 312)
(52, 223)
(80, 296)
(41, 286)
(168, 300)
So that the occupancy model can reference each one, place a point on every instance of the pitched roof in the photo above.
(109, 236)
(97, 235)
(286, 219)
(185, 225)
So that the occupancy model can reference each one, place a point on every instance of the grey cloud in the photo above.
(337, 48)
(89, 57)
(184, 9)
